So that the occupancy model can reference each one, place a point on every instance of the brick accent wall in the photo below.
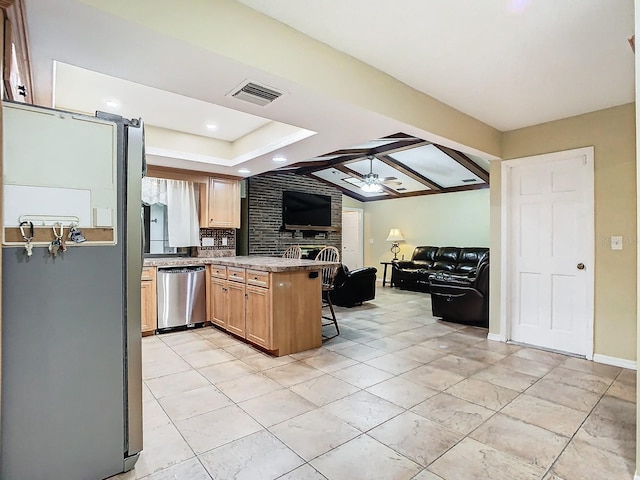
(265, 214)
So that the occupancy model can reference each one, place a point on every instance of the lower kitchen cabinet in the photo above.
(258, 320)
(236, 308)
(149, 309)
(218, 301)
(278, 311)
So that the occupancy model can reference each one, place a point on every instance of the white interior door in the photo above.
(550, 251)
(352, 233)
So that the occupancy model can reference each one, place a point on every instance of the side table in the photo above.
(384, 274)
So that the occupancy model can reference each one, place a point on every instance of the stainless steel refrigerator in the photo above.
(71, 342)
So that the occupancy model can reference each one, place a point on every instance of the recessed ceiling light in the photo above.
(111, 103)
(279, 159)
(211, 126)
(244, 170)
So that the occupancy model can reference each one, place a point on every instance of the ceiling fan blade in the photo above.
(391, 182)
(384, 179)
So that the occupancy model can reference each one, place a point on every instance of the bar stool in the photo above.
(329, 254)
(293, 251)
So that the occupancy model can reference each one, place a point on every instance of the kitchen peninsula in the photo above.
(272, 302)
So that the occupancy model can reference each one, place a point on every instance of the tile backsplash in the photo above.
(217, 242)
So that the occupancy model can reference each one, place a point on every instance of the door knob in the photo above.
(580, 266)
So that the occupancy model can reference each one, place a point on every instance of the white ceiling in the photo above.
(508, 63)
(82, 90)
(506, 66)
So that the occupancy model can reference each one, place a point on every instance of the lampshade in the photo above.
(395, 235)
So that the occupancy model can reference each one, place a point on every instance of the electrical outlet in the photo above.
(208, 242)
(224, 241)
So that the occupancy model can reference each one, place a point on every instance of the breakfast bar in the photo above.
(272, 302)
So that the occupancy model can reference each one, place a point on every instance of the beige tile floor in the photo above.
(398, 395)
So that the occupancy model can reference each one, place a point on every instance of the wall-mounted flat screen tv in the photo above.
(308, 209)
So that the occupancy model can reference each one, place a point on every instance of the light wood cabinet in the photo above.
(149, 309)
(224, 203)
(278, 311)
(258, 319)
(218, 301)
(236, 308)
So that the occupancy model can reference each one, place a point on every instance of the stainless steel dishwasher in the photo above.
(181, 296)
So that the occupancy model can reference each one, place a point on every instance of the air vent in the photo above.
(255, 93)
(468, 180)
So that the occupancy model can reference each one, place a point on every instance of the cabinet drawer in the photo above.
(148, 273)
(235, 274)
(219, 271)
(259, 279)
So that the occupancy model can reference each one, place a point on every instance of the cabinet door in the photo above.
(236, 311)
(148, 317)
(258, 317)
(224, 203)
(218, 301)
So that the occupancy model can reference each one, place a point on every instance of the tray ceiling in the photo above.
(407, 166)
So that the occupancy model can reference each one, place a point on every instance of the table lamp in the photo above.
(395, 236)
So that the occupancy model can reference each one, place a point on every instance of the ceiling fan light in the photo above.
(371, 181)
(371, 186)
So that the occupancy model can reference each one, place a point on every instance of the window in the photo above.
(156, 233)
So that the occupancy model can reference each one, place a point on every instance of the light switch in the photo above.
(224, 241)
(616, 243)
(371, 241)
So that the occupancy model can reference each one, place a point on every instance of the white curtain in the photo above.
(182, 214)
(154, 190)
(182, 211)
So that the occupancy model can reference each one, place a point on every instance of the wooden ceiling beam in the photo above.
(409, 172)
(355, 174)
(465, 161)
(475, 186)
(345, 191)
(322, 165)
(398, 146)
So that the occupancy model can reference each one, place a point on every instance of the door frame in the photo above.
(505, 246)
(360, 212)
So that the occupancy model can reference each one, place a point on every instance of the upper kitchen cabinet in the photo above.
(224, 203)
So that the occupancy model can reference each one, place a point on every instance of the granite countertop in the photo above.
(265, 264)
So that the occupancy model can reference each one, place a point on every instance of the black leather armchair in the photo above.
(462, 299)
(351, 288)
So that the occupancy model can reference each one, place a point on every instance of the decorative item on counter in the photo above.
(28, 247)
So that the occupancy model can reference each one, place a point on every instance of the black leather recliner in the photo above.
(353, 287)
(428, 261)
(462, 299)
(406, 274)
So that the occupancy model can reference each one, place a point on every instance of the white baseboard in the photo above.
(616, 362)
(496, 337)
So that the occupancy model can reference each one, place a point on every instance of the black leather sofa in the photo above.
(427, 261)
(353, 287)
(462, 299)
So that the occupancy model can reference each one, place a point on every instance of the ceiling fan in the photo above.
(373, 183)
